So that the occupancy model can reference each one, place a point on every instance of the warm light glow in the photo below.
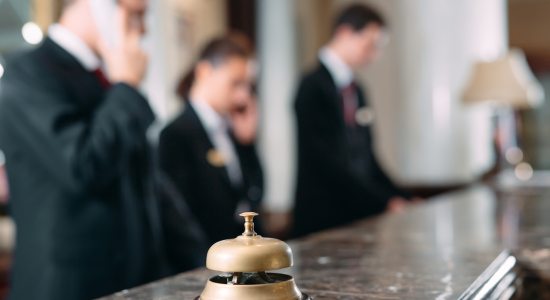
(1, 70)
(514, 155)
(323, 260)
(524, 171)
(32, 33)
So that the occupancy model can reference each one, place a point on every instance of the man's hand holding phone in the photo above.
(125, 61)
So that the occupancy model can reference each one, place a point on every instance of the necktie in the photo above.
(349, 103)
(102, 79)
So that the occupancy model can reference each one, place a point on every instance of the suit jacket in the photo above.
(339, 179)
(88, 210)
(184, 147)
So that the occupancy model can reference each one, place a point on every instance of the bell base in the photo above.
(304, 297)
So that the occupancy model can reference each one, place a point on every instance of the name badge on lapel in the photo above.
(365, 116)
(215, 158)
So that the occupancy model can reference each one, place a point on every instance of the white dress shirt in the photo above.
(73, 44)
(341, 73)
(217, 129)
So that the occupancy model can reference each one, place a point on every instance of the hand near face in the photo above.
(244, 120)
(126, 61)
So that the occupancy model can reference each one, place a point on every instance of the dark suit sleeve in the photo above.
(322, 144)
(384, 182)
(185, 241)
(252, 170)
(174, 153)
(86, 149)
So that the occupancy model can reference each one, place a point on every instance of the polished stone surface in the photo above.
(433, 251)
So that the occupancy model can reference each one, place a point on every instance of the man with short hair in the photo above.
(91, 216)
(339, 179)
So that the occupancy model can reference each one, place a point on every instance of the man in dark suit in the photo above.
(209, 149)
(339, 179)
(91, 216)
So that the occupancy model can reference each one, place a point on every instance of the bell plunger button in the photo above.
(248, 224)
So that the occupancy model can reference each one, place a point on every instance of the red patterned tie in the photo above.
(102, 79)
(349, 103)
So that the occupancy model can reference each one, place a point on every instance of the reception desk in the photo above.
(436, 250)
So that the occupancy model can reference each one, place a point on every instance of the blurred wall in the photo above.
(442, 141)
(46, 12)
(277, 53)
(313, 29)
(529, 25)
(13, 15)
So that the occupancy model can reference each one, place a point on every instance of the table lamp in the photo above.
(509, 84)
(507, 80)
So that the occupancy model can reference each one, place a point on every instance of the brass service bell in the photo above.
(246, 259)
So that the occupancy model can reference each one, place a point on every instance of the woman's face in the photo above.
(229, 84)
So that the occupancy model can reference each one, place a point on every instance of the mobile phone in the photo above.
(104, 14)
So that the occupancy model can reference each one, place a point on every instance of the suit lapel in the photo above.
(335, 94)
(85, 88)
(361, 97)
(204, 139)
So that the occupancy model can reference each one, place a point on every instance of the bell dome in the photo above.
(249, 252)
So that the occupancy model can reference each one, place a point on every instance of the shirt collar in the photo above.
(73, 44)
(341, 73)
(210, 119)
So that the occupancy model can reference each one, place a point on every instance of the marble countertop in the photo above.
(433, 251)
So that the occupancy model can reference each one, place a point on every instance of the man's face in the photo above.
(137, 9)
(363, 46)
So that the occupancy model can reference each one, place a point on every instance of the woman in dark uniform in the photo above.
(209, 149)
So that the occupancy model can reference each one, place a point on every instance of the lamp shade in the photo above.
(507, 80)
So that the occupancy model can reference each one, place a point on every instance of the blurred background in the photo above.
(427, 138)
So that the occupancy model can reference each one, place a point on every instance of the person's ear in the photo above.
(203, 70)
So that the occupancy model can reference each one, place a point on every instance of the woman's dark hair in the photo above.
(358, 16)
(216, 53)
